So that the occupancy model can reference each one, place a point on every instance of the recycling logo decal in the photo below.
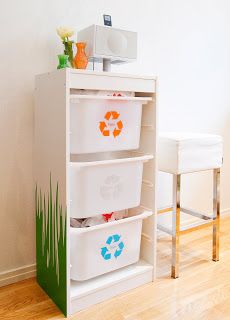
(113, 248)
(111, 188)
(111, 124)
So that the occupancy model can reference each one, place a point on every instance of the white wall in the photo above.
(185, 42)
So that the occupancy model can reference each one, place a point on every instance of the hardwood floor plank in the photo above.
(201, 293)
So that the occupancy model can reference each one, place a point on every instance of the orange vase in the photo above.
(80, 60)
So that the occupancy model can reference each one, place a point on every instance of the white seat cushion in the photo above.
(189, 152)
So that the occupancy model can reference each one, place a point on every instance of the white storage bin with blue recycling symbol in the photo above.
(99, 124)
(103, 186)
(104, 248)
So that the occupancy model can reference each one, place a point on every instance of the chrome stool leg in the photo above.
(176, 226)
(216, 214)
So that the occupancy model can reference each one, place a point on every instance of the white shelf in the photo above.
(74, 98)
(57, 93)
(86, 293)
(83, 288)
(110, 74)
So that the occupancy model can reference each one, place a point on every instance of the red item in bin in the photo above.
(107, 216)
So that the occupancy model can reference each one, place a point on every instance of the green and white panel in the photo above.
(51, 147)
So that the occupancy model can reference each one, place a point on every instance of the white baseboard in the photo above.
(225, 212)
(18, 274)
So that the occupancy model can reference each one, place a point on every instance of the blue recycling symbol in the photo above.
(113, 248)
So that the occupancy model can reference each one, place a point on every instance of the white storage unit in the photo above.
(103, 248)
(105, 123)
(103, 186)
(80, 171)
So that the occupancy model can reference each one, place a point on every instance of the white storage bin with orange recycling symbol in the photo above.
(104, 124)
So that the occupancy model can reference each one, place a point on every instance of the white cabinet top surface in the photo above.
(101, 73)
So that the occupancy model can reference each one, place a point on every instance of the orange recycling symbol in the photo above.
(111, 125)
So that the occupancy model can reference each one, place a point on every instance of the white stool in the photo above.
(180, 153)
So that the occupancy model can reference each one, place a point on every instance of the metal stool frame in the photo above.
(207, 221)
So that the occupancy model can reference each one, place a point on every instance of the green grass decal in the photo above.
(51, 245)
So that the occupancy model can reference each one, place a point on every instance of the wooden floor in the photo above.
(201, 292)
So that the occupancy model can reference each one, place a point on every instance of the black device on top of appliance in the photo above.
(107, 20)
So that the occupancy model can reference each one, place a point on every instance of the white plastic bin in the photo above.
(99, 124)
(98, 187)
(104, 248)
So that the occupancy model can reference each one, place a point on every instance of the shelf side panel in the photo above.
(148, 143)
(50, 156)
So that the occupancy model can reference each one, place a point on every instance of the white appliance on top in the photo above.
(109, 45)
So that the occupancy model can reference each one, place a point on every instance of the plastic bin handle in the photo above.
(75, 98)
(141, 216)
(112, 161)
